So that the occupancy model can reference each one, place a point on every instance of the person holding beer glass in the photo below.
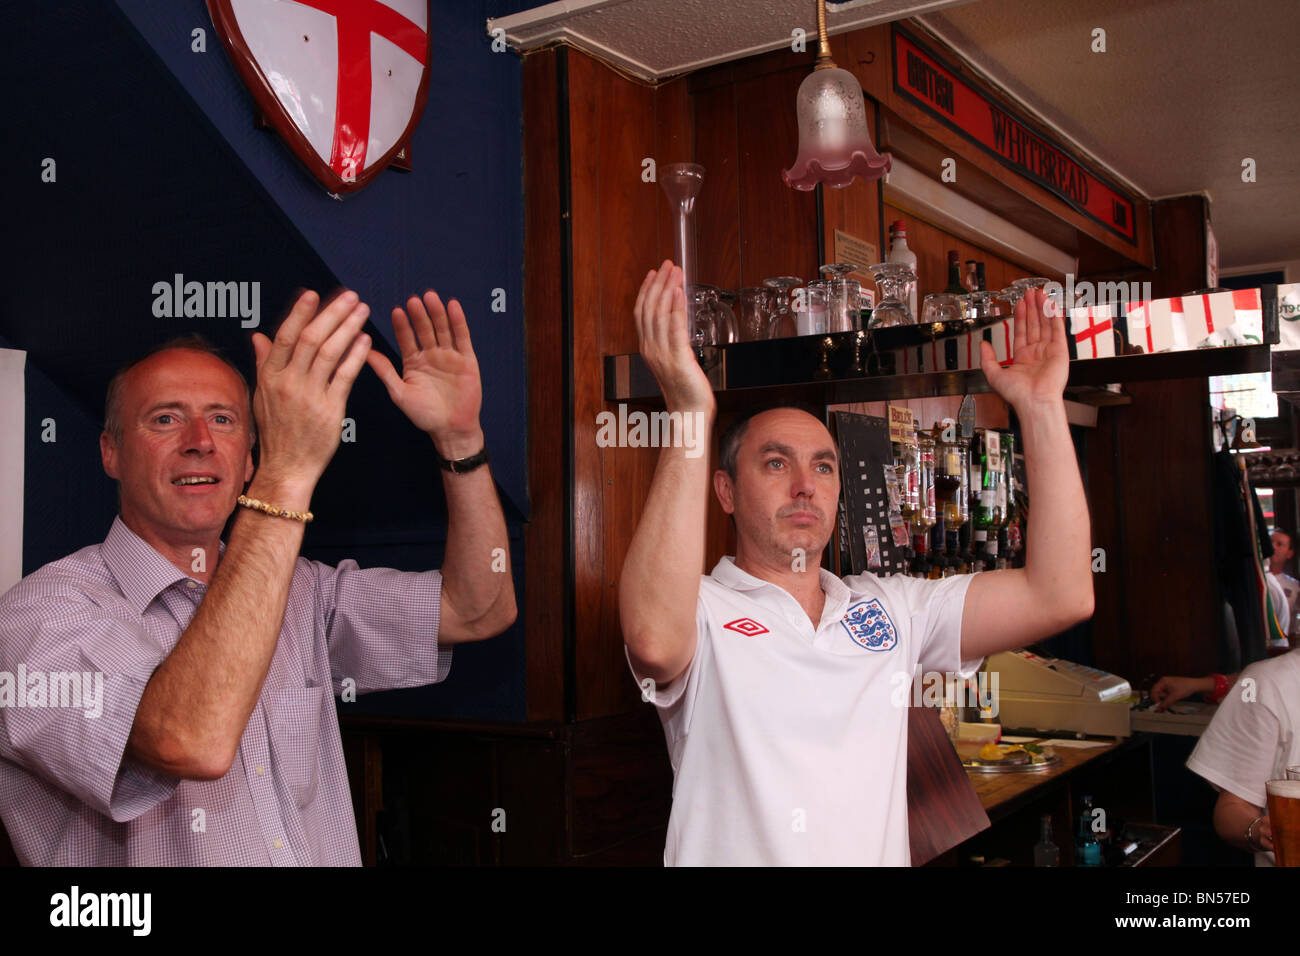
(1247, 753)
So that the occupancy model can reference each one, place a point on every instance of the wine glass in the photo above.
(782, 323)
(726, 329)
(1011, 295)
(755, 313)
(979, 305)
(942, 307)
(810, 305)
(893, 280)
(845, 304)
(704, 325)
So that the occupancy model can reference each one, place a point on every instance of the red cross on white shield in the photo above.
(344, 82)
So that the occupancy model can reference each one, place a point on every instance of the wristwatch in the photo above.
(461, 465)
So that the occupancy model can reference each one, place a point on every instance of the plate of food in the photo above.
(1011, 758)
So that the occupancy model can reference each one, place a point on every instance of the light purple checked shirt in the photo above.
(68, 796)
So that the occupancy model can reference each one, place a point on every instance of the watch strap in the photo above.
(460, 466)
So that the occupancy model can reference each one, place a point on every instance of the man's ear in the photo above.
(725, 491)
(108, 455)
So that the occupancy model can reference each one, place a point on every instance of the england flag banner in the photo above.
(1092, 327)
(1248, 312)
(1003, 340)
(342, 81)
(968, 351)
(1151, 325)
(1207, 315)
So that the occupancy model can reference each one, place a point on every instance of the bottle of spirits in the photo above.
(969, 281)
(954, 274)
(988, 514)
(1046, 852)
(898, 252)
(1015, 541)
(979, 277)
(1087, 850)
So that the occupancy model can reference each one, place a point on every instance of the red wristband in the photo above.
(1221, 688)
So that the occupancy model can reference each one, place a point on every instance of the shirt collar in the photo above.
(726, 573)
(140, 571)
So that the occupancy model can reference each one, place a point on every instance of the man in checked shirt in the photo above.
(218, 741)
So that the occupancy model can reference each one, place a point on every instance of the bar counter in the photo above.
(1117, 775)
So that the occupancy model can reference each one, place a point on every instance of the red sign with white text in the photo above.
(924, 80)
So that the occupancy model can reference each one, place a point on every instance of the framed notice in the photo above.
(858, 253)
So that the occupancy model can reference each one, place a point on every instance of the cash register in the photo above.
(1051, 694)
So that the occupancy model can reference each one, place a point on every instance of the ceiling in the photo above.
(1186, 90)
(654, 39)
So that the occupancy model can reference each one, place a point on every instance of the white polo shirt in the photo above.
(788, 742)
(1255, 734)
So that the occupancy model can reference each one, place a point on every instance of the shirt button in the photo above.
(260, 770)
(277, 844)
(191, 584)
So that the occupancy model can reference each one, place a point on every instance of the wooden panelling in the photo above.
(609, 199)
(931, 246)
(718, 206)
(778, 225)
(990, 410)
(545, 584)
(620, 784)
(1149, 480)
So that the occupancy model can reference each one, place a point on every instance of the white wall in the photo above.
(12, 412)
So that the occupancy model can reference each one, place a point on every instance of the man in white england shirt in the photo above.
(782, 689)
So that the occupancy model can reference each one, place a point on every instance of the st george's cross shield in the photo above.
(342, 81)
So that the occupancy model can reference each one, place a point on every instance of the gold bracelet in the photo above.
(273, 511)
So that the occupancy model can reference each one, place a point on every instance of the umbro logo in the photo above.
(746, 626)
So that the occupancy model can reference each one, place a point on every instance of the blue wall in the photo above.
(454, 224)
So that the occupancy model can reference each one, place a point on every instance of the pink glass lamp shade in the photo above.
(834, 145)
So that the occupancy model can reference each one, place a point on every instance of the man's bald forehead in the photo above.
(178, 352)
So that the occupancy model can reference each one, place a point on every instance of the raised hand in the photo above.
(303, 381)
(1042, 361)
(439, 388)
(660, 313)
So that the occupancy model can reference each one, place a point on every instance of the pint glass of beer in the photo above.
(1284, 816)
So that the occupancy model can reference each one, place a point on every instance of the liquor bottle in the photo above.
(938, 552)
(1087, 850)
(954, 275)
(979, 277)
(988, 514)
(975, 481)
(898, 252)
(924, 517)
(1015, 540)
(1046, 852)
(969, 281)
